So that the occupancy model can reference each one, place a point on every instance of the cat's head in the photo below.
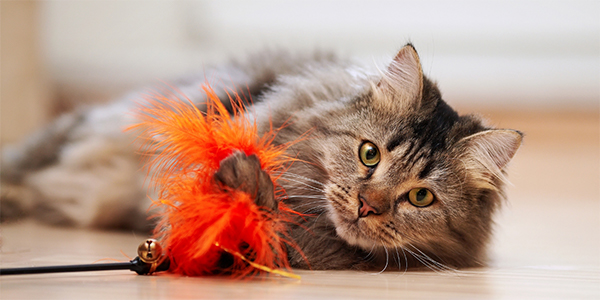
(405, 170)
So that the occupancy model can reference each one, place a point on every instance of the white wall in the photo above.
(517, 53)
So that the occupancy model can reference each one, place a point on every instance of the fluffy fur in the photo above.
(423, 143)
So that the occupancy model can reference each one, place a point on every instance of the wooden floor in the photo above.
(547, 242)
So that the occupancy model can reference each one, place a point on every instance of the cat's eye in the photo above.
(420, 197)
(369, 154)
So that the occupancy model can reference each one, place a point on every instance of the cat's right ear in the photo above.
(402, 83)
(487, 153)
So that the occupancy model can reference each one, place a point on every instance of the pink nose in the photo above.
(364, 209)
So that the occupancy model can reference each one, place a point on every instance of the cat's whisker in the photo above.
(405, 260)
(369, 256)
(306, 196)
(428, 261)
(312, 187)
(422, 261)
(313, 202)
(302, 177)
(305, 188)
(298, 208)
(317, 207)
(295, 180)
(317, 218)
(387, 260)
(443, 266)
(397, 258)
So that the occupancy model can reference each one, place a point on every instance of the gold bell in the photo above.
(150, 251)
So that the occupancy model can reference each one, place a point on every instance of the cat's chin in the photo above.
(351, 233)
(354, 239)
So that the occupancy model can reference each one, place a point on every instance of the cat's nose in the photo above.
(364, 209)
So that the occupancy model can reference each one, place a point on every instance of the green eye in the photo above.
(420, 197)
(369, 154)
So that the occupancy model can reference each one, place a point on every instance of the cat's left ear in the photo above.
(488, 152)
(402, 83)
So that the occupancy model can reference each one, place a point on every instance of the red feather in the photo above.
(200, 220)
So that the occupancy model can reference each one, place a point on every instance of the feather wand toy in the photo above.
(200, 220)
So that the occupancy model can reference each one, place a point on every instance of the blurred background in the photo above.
(529, 65)
(509, 55)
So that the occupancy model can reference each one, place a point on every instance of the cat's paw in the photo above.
(243, 173)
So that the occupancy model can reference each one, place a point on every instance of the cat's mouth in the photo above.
(355, 219)
(354, 227)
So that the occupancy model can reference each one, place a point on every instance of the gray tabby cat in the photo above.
(391, 176)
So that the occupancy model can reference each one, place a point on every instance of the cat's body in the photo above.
(389, 175)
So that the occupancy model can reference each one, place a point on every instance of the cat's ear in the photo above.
(488, 152)
(402, 82)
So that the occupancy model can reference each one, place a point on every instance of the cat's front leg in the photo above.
(243, 173)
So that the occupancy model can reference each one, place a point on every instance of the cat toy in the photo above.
(148, 261)
(200, 220)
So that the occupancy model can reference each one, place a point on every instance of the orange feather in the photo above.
(199, 221)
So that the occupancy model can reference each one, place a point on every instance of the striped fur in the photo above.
(422, 141)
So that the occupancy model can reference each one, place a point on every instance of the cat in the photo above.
(391, 177)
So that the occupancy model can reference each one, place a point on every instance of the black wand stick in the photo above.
(148, 261)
